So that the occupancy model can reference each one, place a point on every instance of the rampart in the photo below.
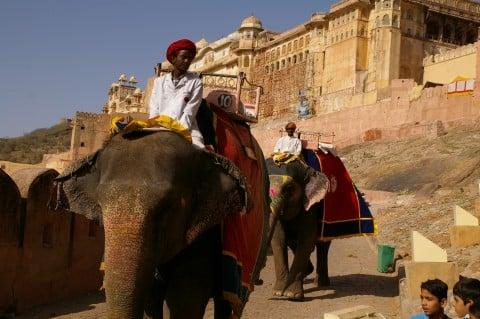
(46, 255)
(396, 117)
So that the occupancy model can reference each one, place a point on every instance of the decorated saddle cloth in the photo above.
(244, 235)
(346, 212)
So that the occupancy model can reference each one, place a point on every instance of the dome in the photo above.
(122, 77)
(251, 22)
(201, 44)
(137, 92)
(133, 79)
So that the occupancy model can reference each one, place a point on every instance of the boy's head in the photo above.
(434, 296)
(465, 292)
(474, 309)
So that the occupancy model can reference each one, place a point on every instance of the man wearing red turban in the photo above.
(289, 143)
(178, 94)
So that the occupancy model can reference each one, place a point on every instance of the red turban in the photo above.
(183, 44)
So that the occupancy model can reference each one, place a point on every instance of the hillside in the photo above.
(30, 147)
(421, 179)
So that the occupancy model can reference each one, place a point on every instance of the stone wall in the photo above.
(46, 255)
(396, 117)
(444, 68)
(281, 88)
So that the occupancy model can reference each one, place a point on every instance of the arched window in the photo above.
(386, 20)
(295, 44)
(289, 61)
(277, 65)
(409, 14)
(377, 21)
(283, 63)
(351, 33)
(246, 61)
(300, 57)
(395, 20)
(341, 36)
(294, 59)
(300, 42)
(284, 49)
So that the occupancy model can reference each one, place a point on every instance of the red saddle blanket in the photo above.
(346, 213)
(244, 235)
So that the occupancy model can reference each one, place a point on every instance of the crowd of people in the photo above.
(466, 299)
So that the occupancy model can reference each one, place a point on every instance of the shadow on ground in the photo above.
(358, 285)
(80, 304)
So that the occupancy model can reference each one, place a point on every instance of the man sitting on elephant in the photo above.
(289, 144)
(178, 94)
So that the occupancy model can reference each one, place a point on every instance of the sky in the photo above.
(60, 56)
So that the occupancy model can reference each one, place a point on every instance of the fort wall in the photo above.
(46, 255)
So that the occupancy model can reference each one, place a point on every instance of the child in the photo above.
(434, 299)
(474, 310)
(465, 292)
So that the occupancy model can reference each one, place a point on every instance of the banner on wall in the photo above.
(461, 86)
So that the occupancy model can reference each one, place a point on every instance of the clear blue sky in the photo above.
(58, 57)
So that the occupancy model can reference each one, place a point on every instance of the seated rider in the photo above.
(178, 94)
(289, 143)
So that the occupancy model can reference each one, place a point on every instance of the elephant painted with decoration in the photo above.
(161, 201)
(296, 192)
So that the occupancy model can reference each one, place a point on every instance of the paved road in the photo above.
(354, 282)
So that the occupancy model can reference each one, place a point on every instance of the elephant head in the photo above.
(294, 188)
(155, 194)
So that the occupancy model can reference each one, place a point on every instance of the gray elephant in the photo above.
(296, 192)
(161, 201)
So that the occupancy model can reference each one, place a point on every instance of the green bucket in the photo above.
(385, 258)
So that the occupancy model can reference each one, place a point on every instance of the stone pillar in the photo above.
(477, 81)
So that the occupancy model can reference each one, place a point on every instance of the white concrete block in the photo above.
(424, 250)
(463, 217)
(357, 312)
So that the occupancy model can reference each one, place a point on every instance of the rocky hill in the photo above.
(30, 147)
(421, 179)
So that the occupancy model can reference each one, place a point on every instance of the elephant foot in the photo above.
(322, 281)
(278, 293)
(294, 296)
(295, 291)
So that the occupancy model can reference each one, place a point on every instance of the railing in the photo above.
(233, 93)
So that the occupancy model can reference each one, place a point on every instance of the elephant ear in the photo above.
(316, 189)
(74, 189)
(223, 191)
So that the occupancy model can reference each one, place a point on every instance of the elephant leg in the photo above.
(222, 309)
(191, 279)
(280, 256)
(155, 299)
(322, 278)
(305, 229)
(292, 244)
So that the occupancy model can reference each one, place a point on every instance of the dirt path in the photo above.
(354, 282)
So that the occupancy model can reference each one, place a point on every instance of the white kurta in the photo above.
(287, 144)
(180, 102)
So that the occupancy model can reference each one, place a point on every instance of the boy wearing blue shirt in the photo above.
(433, 294)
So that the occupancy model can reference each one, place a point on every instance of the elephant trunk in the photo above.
(129, 262)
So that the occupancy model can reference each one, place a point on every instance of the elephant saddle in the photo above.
(345, 211)
(244, 235)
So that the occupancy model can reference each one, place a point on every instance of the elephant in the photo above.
(296, 193)
(161, 201)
